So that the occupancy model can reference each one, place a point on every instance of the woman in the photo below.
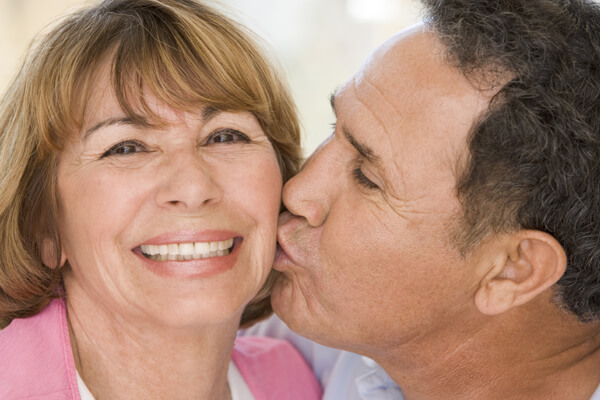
(143, 147)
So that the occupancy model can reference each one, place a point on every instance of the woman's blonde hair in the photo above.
(184, 52)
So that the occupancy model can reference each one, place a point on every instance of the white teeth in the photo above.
(201, 247)
(173, 249)
(187, 251)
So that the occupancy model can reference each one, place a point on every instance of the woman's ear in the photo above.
(49, 254)
(524, 264)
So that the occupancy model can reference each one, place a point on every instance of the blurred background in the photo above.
(318, 44)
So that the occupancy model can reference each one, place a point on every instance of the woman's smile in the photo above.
(186, 251)
(194, 259)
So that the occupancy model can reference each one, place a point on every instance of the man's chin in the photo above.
(289, 304)
(291, 307)
(281, 296)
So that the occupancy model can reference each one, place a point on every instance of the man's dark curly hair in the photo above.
(534, 160)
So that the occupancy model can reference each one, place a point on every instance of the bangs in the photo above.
(186, 70)
(183, 60)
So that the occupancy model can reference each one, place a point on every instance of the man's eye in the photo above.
(227, 136)
(124, 148)
(362, 180)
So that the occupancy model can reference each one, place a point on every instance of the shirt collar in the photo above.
(376, 384)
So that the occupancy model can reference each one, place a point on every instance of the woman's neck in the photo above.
(120, 360)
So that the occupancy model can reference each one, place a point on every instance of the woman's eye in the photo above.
(362, 180)
(124, 148)
(227, 136)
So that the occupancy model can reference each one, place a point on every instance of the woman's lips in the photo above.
(189, 258)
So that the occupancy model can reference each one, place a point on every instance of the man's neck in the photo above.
(516, 355)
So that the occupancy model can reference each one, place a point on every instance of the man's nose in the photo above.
(309, 193)
(188, 183)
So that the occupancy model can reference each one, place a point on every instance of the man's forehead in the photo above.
(407, 99)
(409, 75)
(372, 100)
(409, 61)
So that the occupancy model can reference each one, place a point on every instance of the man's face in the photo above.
(367, 258)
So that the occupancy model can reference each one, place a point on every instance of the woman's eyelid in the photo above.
(128, 142)
(242, 137)
(141, 147)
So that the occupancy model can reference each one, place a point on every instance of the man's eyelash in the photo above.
(361, 179)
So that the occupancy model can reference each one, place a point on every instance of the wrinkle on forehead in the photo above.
(386, 114)
(390, 123)
(404, 87)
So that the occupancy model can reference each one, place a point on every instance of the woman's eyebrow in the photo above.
(209, 112)
(108, 122)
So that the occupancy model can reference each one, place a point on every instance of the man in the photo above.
(450, 227)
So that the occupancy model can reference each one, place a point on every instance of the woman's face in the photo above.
(173, 224)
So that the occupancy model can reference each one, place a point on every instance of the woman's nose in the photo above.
(309, 193)
(189, 183)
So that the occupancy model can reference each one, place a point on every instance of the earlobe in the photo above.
(49, 256)
(527, 263)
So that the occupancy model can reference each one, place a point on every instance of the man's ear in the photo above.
(50, 258)
(524, 264)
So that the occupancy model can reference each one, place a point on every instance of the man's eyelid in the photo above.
(373, 170)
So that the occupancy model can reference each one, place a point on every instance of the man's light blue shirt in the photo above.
(343, 375)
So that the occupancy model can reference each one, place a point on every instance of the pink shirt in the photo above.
(36, 362)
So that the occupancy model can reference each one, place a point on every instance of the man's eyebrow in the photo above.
(332, 101)
(362, 148)
(108, 122)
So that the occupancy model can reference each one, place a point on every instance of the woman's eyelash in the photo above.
(133, 146)
(124, 148)
(362, 179)
(227, 136)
